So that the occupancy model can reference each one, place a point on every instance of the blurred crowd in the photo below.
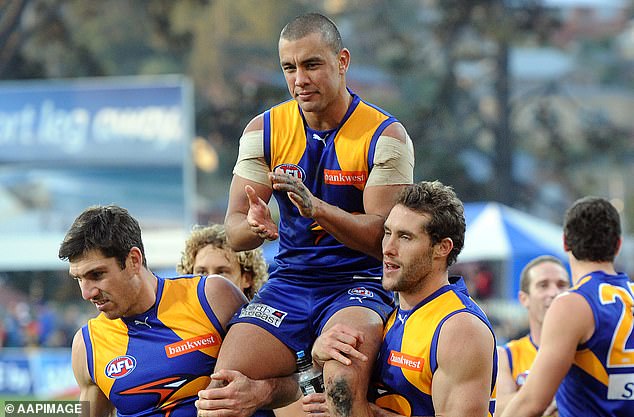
(29, 319)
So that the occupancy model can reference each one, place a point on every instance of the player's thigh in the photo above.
(255, 352)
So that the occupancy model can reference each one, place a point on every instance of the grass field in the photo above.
(18, 398)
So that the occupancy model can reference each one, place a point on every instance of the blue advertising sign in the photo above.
(67, 145)
(15, 373)
(108, 122)
(44, 373)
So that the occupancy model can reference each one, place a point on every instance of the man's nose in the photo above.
(88, 290)
(301, 77)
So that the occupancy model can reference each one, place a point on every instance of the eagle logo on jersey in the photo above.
(120, 366)
(318, 232)
(171, 391)
(292, 170)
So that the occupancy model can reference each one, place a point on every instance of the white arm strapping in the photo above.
(393, 162)
(251, 164)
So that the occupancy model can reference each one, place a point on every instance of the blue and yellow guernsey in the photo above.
(155, 363)
(521, 355)
(334, 165)
(601, 379)
(407, 359)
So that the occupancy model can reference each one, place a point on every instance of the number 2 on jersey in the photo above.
(619, 356)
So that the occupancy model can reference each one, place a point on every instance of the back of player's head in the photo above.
(108, 229)
(446, 211)
(306, 24)
(525, 276)
(592, 230)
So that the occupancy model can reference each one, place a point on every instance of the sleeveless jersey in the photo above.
(154, 364)
(601, 379)
(521, 355)
(334, 165)
(407, 358)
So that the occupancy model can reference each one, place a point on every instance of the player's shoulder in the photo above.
(396, 131)
(465, 323)
(257, 123)
(78, 348)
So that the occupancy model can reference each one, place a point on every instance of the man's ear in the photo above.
(135, 259)
(247, 277)
(523, 298)
(344, 61)
(443, 248)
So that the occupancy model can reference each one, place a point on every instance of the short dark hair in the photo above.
(306, 24)
(444, 207)
(109, 229)
(592, 230)
(525, 282)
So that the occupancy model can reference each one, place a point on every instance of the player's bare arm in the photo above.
(224, 297)
(248, 220)
(461, 386)
(560, 338)
(506, 386)
(100, 406)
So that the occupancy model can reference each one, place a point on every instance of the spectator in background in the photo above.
(207, 253)
(155, 342)
(541, 280)
(483, 281)
(586, 354)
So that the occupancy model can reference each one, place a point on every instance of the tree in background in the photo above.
(415, 58)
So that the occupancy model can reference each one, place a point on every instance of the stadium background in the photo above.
(522, 103)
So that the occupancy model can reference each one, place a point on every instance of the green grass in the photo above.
(18, 398)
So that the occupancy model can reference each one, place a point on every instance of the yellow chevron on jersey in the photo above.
(352, 142)
(361, 126)
(199, 328)
(521, 355)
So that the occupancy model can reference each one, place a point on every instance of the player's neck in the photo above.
(580, 269)
(147, 296)
(428, 285)
(535, 330)
(331, 117)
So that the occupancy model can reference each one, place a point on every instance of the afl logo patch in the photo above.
(361, 292)
(120, 366)
(293, 170)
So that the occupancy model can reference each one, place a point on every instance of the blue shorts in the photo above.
(296, 314)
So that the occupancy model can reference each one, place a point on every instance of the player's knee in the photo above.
(339, 396)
